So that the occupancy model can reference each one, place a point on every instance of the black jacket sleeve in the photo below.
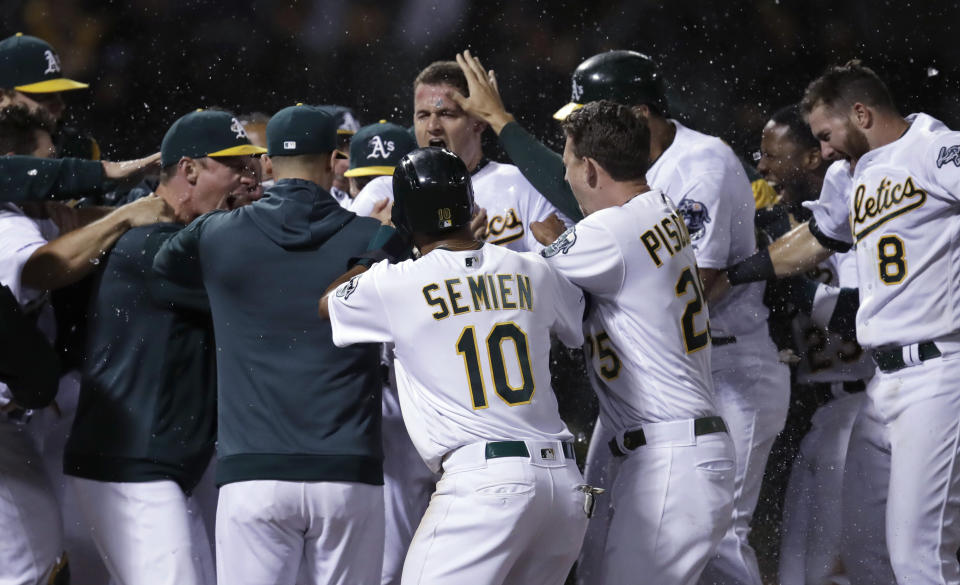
(27, 178)
(29, 365)
(542, 167)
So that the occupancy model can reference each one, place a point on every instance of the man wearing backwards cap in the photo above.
(299, 456)
(146, 421)
(30, 74)
(374, 153)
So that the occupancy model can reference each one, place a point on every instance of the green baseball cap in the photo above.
(301, 129)
(205, 133)
(377, 149)
(30, 65)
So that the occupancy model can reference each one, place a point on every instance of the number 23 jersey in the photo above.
(472, 342)
(902, 218)
(648, 324)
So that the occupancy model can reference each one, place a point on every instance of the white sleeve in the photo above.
(357, 311)
(589, 256)
(20, 237)
(708, 217)
(943, 163)
(375, 191)
(570, 304)
(832, 210)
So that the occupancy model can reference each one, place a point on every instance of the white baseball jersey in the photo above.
(901, 216)
(472, 342)
(512, 204)
(648, 323)
(375, 191)
(706, 181)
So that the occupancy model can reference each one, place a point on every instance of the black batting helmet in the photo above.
(432, 192)
(626, 77)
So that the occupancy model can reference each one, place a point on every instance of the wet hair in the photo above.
(797, 127)
(443, 73)
(841, 86)
(614, 136)
(18, 128)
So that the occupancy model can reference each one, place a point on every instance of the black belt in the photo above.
(891, 360)
(519, 449)
(701, 426)
(854, 386)
(718, 341)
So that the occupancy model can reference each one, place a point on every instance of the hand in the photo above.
(383, 211)
(131, 171)
(148, 210)
(484, 101)
(478, 224)
(547, 231)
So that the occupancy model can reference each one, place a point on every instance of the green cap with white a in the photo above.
(204, 133)
(30, 65)
(377, 149)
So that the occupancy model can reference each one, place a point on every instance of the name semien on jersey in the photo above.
(482, 292)
(670, 234)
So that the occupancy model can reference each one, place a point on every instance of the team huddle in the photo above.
(297, 350)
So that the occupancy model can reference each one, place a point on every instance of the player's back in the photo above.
(648, 323)
(472, 345)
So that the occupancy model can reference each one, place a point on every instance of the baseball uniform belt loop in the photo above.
(637, 438)
(892, 359)
(497, 449)
(718, 341)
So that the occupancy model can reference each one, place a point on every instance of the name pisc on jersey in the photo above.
(706, 181)
(901, 216)
(472, 342)
(648, 330)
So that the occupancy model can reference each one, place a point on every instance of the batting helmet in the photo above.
(625, 77)
(432, 192)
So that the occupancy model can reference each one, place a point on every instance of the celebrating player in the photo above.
(898, 216)
(472, 358)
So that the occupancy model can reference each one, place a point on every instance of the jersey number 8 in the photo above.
(501, 332)
(892, 264)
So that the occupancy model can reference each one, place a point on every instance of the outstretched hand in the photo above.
(484, 101)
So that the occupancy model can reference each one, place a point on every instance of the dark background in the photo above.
(729, 64)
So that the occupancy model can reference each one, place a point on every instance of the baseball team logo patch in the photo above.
(695, 215)
(949, 155)
(562, 244)
(53, 62)
(346, 289)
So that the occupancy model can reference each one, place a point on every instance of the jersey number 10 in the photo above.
(501, 332)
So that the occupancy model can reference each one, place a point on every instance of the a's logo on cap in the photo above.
(289, 144)
(53, 62)
(577, 92)
(380, 148)
(237, 127)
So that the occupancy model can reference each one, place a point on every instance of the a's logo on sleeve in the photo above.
(53, 62)
(346, 289)
(695, 215)
(562, 244)
(949, 155)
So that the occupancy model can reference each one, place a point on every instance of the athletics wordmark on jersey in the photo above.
(890, 200)
(502, 229)
(482, 292)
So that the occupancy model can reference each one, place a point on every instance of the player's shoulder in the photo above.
(699, 154)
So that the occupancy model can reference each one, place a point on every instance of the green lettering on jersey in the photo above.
(443, 313)
(478, 292)
(524, 292)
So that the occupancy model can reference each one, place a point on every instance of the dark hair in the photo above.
(797, 127)
(18, 128)
(614, 136)
(841, 86)
(443, 72)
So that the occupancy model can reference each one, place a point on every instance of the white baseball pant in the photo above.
(267, 529)
(811, 527)
(500, 521)
(600, 470)
(31, 535)
(148, 533)
(752, 393)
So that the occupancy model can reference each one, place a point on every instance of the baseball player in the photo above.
(298, 438)
(811, 530)
(705, 179)
(478, 405)
(375, 151)
(898, 217)
(649, 334)
(347, 126)
(511, 203)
